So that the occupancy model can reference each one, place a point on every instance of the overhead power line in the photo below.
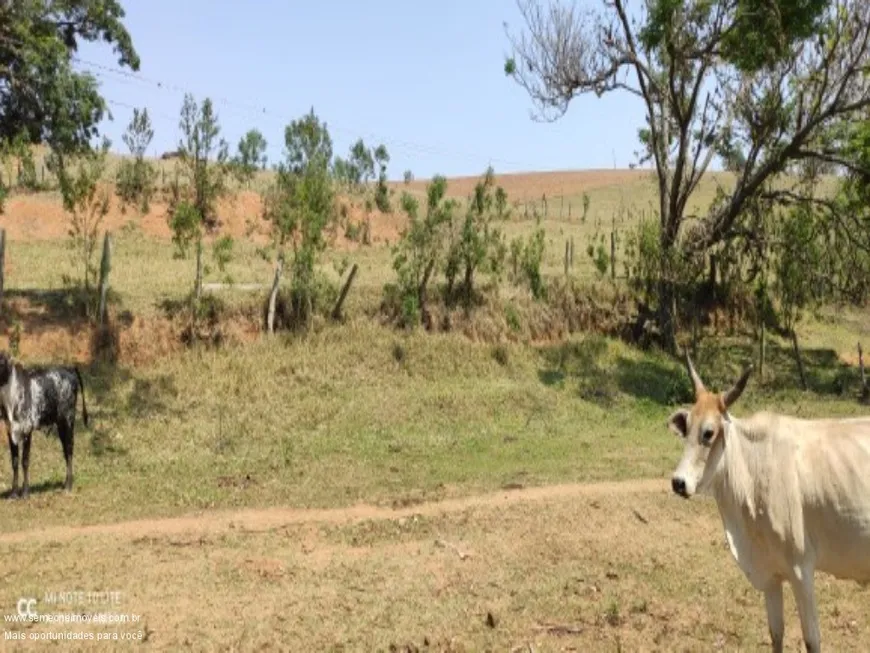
(411, 147)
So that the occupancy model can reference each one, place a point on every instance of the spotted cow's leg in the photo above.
(66, 429)
(25, 464)
(13, 450)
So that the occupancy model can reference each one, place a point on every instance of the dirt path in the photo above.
(265, 519)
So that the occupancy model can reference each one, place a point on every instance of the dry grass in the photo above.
(576, 569)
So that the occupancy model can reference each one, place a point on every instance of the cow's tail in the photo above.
(84, 405)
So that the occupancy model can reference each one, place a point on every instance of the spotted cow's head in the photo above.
(702, 429)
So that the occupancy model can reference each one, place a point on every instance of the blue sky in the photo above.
(424, 78)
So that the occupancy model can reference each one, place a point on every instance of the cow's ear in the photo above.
(679, 422)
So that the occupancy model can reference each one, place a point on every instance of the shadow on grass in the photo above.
(59, 315)
(601, 377)
(36, 488)
(117, 392)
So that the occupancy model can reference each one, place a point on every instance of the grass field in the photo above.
(362, 488)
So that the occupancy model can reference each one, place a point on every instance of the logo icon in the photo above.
(26, 608)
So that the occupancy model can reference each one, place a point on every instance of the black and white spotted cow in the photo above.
(38, 398)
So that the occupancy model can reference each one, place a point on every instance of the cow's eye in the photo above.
(707, 436)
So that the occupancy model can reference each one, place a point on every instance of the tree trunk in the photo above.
(865, 391)
(273, 294)
(798, 359)
(105, 268)
(567, 255)
(197, 286)
(2, 263)
(421, 294)
(763, 349)
(336, 312)
(469, 284)
(667, 304)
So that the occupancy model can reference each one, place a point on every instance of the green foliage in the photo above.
(525, 259)
(764, 31)
(358, 170)
(27, 178)
(598, 253)
(186, 224)
(87, 204)
(420, 247)
(251, 156)
(646, 263)
(502, 211)
(18, 153)
(40, 92)
(512, 317)
(792, 73)
(361, 165)
(301, 207)
(136, 179)
(200, 182)
(203, 159)
(222, 252)
(479, 244)
(382, 196)
(796, 262)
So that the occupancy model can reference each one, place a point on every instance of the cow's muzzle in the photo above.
(679, 487)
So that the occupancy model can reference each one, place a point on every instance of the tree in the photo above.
(87, 203)
(251, 156)
(526, 256)
(760, 84)
(193, 205)
(203, 157)
(797, 262)
(421, 246)
(382, 193)
(40, 93)
(136, 179)
(361, 165)
(301, 207)
(479, 243)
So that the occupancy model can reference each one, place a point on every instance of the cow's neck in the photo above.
(740, 467)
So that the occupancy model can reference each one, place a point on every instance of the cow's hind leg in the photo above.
(775, 621)
(803, 587)
(13, 450)
(66, 430)
(25, 464)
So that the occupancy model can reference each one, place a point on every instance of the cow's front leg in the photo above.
(805, 598)
(13, 450)
(775, 621)
(25, 465)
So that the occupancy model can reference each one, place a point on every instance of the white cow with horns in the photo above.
(793, 494)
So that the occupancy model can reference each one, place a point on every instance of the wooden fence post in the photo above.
(273, 295)
(336, 312)
(105, 268)
(567, 255)
(613, 255)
